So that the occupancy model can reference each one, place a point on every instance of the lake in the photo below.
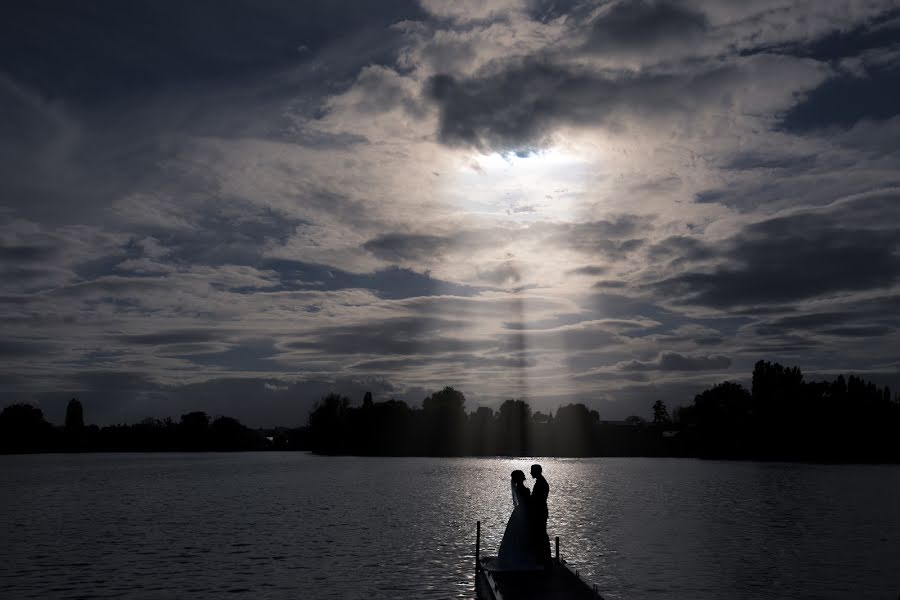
(293, 525)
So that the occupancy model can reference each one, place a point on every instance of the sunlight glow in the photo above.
(541, 185)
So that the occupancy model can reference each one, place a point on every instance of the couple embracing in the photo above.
(526, 544)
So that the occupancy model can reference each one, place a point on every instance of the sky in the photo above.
(239, 206)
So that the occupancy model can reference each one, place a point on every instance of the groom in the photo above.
(540, 541)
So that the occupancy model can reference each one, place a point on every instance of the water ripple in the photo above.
(279, 526)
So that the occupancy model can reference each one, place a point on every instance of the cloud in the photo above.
(644, 24)
(843, 248)
(401, 247)
(672, 361)
(175, 336)
(519, 105)
(591, 270)
(261, 210)
(397, 336)
(12, 349)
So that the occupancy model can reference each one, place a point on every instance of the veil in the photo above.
(512, 486)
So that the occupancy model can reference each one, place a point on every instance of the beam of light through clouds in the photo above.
(238, 207)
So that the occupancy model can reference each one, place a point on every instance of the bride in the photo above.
(515, 552)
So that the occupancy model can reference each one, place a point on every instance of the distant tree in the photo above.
(195, 421)
(24, 416)
(726, 403)
(23, 428)
(481, 431)
(448, 401)
(74, 416)
(575, 430)
(513, 422)
(774, 391)
(195, 430)
(444, 418)
(367, 399)
(635, 421)
(540, 417)
(230, 434)
(660, 413)
(328, 423)
(483, 415)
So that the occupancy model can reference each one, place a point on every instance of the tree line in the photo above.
(23, 428)
(781, 417)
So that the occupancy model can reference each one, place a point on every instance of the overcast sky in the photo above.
(238, 206)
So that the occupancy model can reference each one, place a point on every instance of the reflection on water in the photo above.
(298, 526)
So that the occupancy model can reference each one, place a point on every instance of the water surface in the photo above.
(292, 525)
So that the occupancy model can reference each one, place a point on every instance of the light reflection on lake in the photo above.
(272, 525)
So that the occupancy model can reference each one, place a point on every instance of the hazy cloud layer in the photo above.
(238, 207)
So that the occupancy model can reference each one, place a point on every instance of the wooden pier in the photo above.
(555, 584)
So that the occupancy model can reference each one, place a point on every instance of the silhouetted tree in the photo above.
(660, 413)
(231, 434)
(74, 433)
(74, 416)
(574, 430)
(540, 417)
(327, 422)
(513, 424)
(24, 429)
(482, 432)
(444, 418)
(195, 430)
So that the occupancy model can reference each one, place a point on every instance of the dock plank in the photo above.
(557, 584)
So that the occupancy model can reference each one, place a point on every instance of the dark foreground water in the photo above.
(291, 525)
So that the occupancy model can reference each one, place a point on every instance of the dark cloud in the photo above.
(614, 237)
(861, 331)
(115, 287)
(462, 360)
(590, 270)
(16, 348)
(405, 246)
(517, 105)
(101, 49)
(781, 346)
(679, 250)
(871, 93)
(643, 24)
(230, 232)
(845, 100)
(503, 274)
(478, 307)
(800, 256)
(590, 336)
(611, 284)
(672, 361)
(515, 108)
(616, 306)
(175, 336)
(406, 336)
(810, 321)
(879, 30)
(745, 161)
(26, 254)
(392, 283)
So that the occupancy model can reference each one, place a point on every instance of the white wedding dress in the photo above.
(515, 552)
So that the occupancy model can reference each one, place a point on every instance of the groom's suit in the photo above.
(539, 514)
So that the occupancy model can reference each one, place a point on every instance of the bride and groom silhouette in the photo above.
(525, 544)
